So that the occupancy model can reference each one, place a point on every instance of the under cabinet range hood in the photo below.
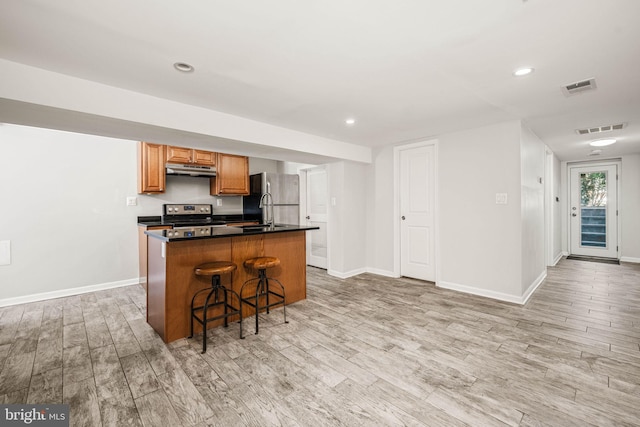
(190, 170)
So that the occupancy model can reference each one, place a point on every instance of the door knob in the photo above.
(574, 214)
(308, 217)
(403, 218)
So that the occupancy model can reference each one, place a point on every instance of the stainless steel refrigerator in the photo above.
(285, 190)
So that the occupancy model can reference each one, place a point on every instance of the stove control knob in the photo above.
(201, 209)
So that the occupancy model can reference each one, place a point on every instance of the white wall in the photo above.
(532, 155)
(379, 217)
(64, 210)
(480, 240)
(347, 237)
(630, 208)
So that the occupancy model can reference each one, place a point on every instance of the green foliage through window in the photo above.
(593, 189)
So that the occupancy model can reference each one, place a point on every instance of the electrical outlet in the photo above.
(218, 202)
(132, 201)
(501, 198)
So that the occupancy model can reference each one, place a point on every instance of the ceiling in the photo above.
(404, 70)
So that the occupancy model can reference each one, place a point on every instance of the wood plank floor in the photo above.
(366, 351)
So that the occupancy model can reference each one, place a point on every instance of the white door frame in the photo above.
(548, 208)
(609, 162)
(396, 205)
(303, 207)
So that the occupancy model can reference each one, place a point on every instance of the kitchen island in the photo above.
(173, 254)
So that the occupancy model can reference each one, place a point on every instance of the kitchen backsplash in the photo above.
(184, 189)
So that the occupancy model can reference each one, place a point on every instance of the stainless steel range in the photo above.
(189, 215)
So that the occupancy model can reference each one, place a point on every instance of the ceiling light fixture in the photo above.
(523, 71)
(183, 67)
(350, 121)
(602, 142)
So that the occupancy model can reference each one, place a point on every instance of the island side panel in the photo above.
(292, 272)
(182, 258)
(156, 283)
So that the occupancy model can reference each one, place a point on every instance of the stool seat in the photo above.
(262, 262)
(214, 267)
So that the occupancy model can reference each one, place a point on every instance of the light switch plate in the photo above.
(5, 252)
(501, 198)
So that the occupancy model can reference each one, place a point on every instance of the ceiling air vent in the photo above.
(577, 87)
(599, 129)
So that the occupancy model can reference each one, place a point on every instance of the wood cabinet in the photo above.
(184, 155)
(151, 169)
(232, 170)
(232, 175)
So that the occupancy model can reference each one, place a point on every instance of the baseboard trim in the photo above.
(347, 274)
(534, 286)
(381, 272)
(66, 292)
(481, 292)
(557, 259)
(630, 259)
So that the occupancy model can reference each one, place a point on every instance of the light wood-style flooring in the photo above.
(366, 351)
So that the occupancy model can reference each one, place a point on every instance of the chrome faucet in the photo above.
(268, 199)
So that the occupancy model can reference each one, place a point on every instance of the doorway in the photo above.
(416, 189)
(316, 216)
(593, 210)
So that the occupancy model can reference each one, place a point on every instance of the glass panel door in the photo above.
(593, 210)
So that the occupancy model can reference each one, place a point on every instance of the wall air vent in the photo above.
(600, 129)
(578, 87)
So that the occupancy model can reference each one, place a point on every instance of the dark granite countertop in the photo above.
(153, 221)
(195, 233)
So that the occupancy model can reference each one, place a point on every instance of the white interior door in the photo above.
(593, 210)
(316, 210)
(417, 210)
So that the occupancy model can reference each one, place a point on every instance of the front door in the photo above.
(417, 210)
(593, 210)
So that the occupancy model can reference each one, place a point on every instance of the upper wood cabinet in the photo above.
(151, 169)
(184, 155)
(232, 175)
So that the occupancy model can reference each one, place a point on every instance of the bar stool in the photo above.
(215, 269)
(262, 287)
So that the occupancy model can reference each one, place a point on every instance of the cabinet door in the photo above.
(201, 157)
(232, 176)
(179, 155)
(151, 169)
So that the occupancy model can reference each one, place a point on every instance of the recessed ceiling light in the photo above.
(602, 142)
(183, 67)
(523, 71)
(350, 121)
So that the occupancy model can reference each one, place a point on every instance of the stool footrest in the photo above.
(229, 309)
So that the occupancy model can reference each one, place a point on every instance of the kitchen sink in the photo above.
(261, 226)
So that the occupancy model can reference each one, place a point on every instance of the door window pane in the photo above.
(593, 209)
